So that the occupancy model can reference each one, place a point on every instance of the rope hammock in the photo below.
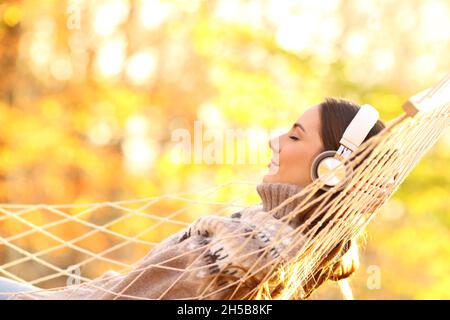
(130, 228)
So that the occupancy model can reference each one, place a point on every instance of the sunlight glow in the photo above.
(153, 13)
(110, 56)
(210, 115)
(100, 133)
(139, 154)
(109, 15)
(141, 67)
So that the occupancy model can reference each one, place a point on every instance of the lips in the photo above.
(272, 163)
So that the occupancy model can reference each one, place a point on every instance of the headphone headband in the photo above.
(359, 128)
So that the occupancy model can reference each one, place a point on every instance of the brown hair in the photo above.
(335, 116)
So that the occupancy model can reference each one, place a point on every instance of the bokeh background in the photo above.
(91, 92)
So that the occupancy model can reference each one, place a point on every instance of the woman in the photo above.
(203, 260)
(320, 128)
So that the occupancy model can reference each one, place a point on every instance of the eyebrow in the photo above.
(298, 125)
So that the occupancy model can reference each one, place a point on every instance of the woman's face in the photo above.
(294, 151)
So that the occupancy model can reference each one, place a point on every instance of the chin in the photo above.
(269, 178)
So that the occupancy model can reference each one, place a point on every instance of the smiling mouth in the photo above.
(272, 163)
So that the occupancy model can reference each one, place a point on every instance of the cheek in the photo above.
(295, 156)
(296, 159)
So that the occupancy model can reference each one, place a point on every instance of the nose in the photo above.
(274, 144)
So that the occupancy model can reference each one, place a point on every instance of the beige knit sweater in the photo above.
(183, 267)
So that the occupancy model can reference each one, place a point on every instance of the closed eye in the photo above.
(294, 138)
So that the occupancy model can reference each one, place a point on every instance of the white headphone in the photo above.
(354, 135)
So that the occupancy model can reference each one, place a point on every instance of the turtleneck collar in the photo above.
(273, 194)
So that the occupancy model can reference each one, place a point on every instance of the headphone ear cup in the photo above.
(315, 170)
(317, 160)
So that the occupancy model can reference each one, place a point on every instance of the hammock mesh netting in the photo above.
(69, 252)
